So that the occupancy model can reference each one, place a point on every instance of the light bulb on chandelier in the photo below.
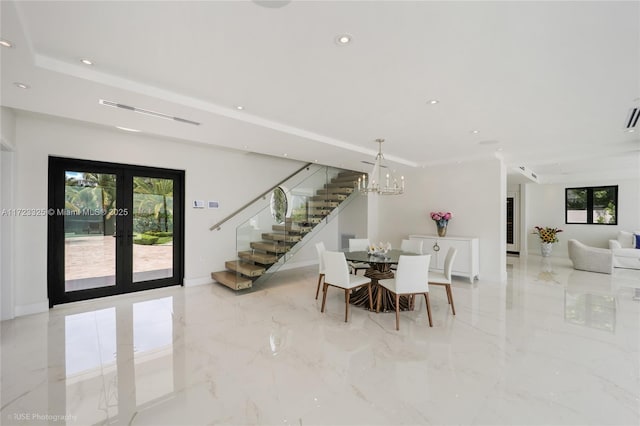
(374, 184)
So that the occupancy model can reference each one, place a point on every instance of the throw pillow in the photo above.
(637, 241)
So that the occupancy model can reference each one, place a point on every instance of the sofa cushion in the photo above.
(627, 252)
(626, 239)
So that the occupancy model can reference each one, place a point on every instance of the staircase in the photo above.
(263, 255)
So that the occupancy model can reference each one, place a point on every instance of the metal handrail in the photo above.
(217, 225)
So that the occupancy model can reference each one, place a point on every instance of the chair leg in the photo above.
(397, 311)
(426, 298)
(347, 294)
(320, 277)
(453, 308)
(324, 295)
(370, 297)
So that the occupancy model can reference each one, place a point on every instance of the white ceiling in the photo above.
(547, 85)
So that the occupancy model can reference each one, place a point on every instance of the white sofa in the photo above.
(625, 254)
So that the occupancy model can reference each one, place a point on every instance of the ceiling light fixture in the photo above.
(343, 39)
(475, 132)
(374, 185)
(433, 101)
(239, 107)
(6, 43)
(127, 129)
(86, 61)
(21, 85)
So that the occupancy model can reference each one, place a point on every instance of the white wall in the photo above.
(474, 192)
(211, 174)
(545, 207)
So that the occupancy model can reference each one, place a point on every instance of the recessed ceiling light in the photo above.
(86, 61)
(127, 129)
(343, 39)
(475, 132)
(433, 101)
(21, 85)
(285, 154)
(5, 43)
(630, 130)
(239, 107)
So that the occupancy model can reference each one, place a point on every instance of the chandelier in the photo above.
(380, 181)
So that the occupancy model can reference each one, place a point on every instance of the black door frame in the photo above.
(124, 226)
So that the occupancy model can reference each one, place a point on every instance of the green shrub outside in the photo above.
(159, 233)
(145, 240)
(164, 240)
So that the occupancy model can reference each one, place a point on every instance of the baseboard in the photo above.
(33, 308)
(192, 282)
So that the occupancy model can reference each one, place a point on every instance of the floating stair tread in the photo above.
(340, 185)
(329, 197)
(347, 179)
(300, 229)
(350, 173)
(333, 191)
(269, 247)
(247, 269)
(261, 258)
(288, 238)
(231, 280)
(324, 203)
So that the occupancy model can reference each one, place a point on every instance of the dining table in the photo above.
(379, 269)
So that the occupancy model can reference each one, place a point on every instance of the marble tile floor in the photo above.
(551, 346)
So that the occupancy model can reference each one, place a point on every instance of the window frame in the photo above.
(590, 190)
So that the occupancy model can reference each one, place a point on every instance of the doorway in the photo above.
(113, 229)
(513, 225)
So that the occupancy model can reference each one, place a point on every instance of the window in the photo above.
(592, 205)
(279, 205)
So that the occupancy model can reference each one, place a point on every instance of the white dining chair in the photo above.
(412, 277)
(359, 244)
(336, 274)
(444, 278)
(410, 246)
(320, 249)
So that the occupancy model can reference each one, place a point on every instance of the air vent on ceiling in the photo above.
(632, 119)
(147, 112)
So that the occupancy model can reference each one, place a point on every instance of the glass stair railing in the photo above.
(278, 225)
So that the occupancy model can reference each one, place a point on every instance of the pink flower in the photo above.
(441, 216)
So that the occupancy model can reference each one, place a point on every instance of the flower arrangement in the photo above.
(546, 234)
(441, 217)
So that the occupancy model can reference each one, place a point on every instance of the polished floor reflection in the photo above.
(551, 346)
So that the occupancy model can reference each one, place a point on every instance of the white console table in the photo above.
(466, 263)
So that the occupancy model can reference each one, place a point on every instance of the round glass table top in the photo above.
(392, 256)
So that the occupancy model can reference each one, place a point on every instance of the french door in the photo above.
(113, 229)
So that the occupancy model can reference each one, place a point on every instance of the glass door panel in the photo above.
(89, 229)
(152, 228)
(115, 228)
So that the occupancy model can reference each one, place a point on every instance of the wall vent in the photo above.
(147, 112)
(632, 119)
